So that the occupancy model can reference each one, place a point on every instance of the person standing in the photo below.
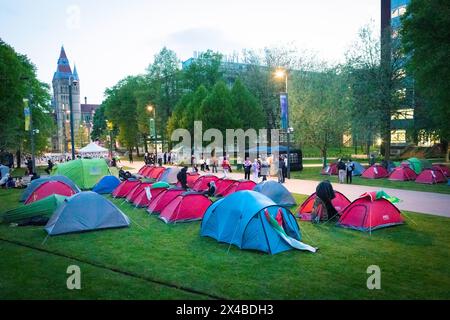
(225, 166)
(350, 167)
(214, 164)
(29, 165)
(165, 158)
(285, 166)
(247, 168)
(264, 169)
(49, 167)
(182, 178)
(281, 165)
(255, 170)
(341, 170)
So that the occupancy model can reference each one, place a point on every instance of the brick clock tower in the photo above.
(61, 107)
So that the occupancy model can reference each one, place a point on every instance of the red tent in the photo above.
(403, 173)
(431, 176)
(124, 188)
(443, 168)
(238, 186)
(222, 184)
(159, 202)
(188, 206)
(375, 172)
(48, 188)
(369, 213)
(191, 179)
(201, 184)
(136, 190)
(147, 171)
(331, 169)
(306, 208)
(142, 169)
(141, 200)
(156, 173)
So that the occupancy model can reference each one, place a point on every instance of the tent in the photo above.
(443, 168)
(36, 183)
(106, 184)
(84, 172)
(137, 190)
(276, 192)
(146, 170)
(375, 172)
(431, 176)
(238, 186)
(85, 211)
(142, 169)
(4, 170)
(191, 177)
(143, 200)
(41, 208)
(188, 206)
(245, 219)
(93, 148)
(330, 169)
(49, 188)
(418, 164)
(158, 203)
(156, 173)
(403, 173)
(170, 175)
(339, 203)
(370, 212)
(358, 169)
(125, 187)
(222, 184)
(201, 184)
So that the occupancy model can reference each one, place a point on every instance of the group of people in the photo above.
(260, 167)
(160, 158)
(182, 179)
(345, 170)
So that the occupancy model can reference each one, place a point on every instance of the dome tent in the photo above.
(188, 206)
(49, 188)
(375, 172)
(141, 199)
(277, 192)
(36, 183)
(431, 176)
(106, 184)
(125, 187)
(84, 172)
(85, 211)
(170, 175)
(246, 220)
(159, 202)
(403, 173)
(339, 202)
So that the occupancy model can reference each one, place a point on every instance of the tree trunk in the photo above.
(137, 150)
(145, 143)
(446, 150)
(324, 157)
(18, 158)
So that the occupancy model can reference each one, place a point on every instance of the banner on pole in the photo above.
(152, 129)
(26, 111)
(284, 110)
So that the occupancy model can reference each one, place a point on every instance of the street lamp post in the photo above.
(283, 74)
(109, 124)
(30, 109)
(72, 82)
(150, 109)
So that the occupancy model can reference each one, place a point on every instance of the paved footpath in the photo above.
(423, 202)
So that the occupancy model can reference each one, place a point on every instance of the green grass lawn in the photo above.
(153, 260)
(314, 174)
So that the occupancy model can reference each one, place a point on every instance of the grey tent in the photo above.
(276, 192)
(170, 175)
(36, 183)
(86, 211)
(4, 170)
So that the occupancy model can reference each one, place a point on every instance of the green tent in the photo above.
(419, 164)
(160, 184)
(42, 208)
(84, 172)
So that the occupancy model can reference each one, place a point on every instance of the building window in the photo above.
(398, 136)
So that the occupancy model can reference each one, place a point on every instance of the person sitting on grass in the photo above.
(211, 189)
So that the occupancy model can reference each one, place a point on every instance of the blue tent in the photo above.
(106, 184)
(170, 175)
(277, 192)
(358, 170)
(240, 219)
(36, 183)
(4, 170)
(85, 211)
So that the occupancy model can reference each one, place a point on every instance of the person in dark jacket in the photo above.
(211, 189)
(325, 194)
(49, 166)
(182, 177)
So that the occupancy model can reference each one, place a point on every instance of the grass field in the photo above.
(314, 174)
(152, 260)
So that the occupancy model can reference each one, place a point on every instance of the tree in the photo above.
(321, 110)
(193, 112)
(425, 34)
(99, 131)
(250, 111)
(19, 81)
(203, 70)
(217, 110)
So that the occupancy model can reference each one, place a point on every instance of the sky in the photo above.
(111, 39)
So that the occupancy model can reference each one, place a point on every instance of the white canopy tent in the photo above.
(93, 149)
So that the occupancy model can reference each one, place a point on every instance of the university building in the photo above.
(83, 114)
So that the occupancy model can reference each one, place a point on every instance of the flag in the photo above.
(148, 193)
(294, 243)
(27, 114)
